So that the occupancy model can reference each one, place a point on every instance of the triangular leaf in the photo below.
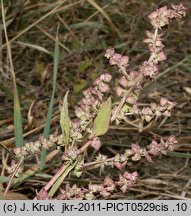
(65, 120)
(101, 122)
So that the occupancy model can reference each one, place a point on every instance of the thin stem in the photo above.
(12, 176)
(56, 176)
(85, 146)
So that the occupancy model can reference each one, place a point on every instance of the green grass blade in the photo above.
(50, 108)
(80, 25)
(179, 155)
(18, 130)
(1, 195)
(19, 141)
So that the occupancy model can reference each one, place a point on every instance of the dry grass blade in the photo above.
(161, 194)
(8, 142)
(52, 38)
(33, 46)
(173, 67)
(67, 27)
(94, 14)
(17, 110)
(54, 10)
(114, 28)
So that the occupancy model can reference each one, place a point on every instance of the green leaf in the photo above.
(101, 122)
(65, 120)
(4, 179)
(85, 65)
(79, 86)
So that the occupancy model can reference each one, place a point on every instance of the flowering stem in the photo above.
(86, 165)
(128, 92)
(156, 33)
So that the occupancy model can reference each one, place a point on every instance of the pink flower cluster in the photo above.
(72, 193)
(121, 61)
(131, 82)
(31, 147)
(96, 143)
(127, 180)
(136, 153)
(154, 149)
(149, 68)
(162, 147)
(162, 16)
(71, 153)
(89, 105)
(105, 189)
(126, 82)
(14, 165)
(164, 109)
(116, 58)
